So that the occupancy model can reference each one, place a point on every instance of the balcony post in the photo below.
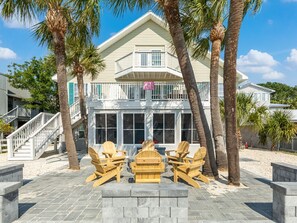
(166, 59)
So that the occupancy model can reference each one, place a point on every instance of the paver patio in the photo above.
(65, 197)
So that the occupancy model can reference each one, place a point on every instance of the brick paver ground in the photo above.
(63, 196)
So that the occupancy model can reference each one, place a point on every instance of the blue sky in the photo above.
(267, 47)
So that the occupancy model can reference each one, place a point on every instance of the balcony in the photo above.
(163, 91)
(155, 65)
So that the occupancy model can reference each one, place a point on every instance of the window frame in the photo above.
(106, 126)
(192, 128)
(123, 129)
(164, 129)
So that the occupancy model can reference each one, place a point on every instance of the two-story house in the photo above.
(12, 105)
(141, 95)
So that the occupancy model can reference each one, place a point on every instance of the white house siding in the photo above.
(148, 36)
(3, 95)
(261, 96)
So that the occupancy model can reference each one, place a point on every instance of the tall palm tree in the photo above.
(202, 22)
(84, 60)
(278, 127)
(172, 15)
(59, 16)
(236, 12)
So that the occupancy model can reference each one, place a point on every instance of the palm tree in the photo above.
(236, 12)
(84, 60)
(172, 15)
(278, 127)
(202, 23)
(248, 113)
(59, 17)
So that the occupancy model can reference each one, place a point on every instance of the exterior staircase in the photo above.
(10, 116)
(31, 140)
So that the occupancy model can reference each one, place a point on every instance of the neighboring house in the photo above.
(141, 95)
(12, 105)
(260, 94)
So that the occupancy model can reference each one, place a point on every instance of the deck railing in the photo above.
(135, 91)
(155, 59)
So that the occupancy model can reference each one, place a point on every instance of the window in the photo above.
(143, 59)
(133, 128)
(221, 91)
(188, 130)
(156, 58)
(76, 96)
(263, 97)
(164, 128)
(106, 128)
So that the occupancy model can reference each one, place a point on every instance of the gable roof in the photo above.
(153, 17)
(249, 84)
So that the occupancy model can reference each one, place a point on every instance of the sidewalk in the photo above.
(63, 196)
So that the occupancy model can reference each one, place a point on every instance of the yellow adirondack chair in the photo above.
(106, 168)
(190, 168)
(110, 151)
(148, 145)
(147, 167)
(180, 153)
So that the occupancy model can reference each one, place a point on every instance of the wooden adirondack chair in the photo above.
(190, 168)
(106, 168)
(147, 167)
(180, 153)
(110, 151)
(148, 145)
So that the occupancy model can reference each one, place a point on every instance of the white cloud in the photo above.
(293, 57)
(257, 62)
(6, 53)
(15, 23)
(274, 75)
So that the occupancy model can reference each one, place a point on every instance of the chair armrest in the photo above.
(108, 155)
(121, 151)
(175, 162)
(169, 151)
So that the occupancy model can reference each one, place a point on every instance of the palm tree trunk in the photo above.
(171, 10)
(216, 120)
(82, 105)
(234, 23)
(239, 139)
(59, 48)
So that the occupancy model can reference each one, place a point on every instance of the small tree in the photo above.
(36, 77)
(248, 113)
(278, 128)
(5, 128)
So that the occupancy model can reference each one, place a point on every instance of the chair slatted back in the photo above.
(96, 161)
(200, 154)
(183, 147)
(110, 148)
(148, 145)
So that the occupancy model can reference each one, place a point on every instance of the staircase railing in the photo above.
(74, 110)
(22, 134)
(11, 115)
(50, 130)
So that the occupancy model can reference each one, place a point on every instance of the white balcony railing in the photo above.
(147, 60)
(135, 91)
